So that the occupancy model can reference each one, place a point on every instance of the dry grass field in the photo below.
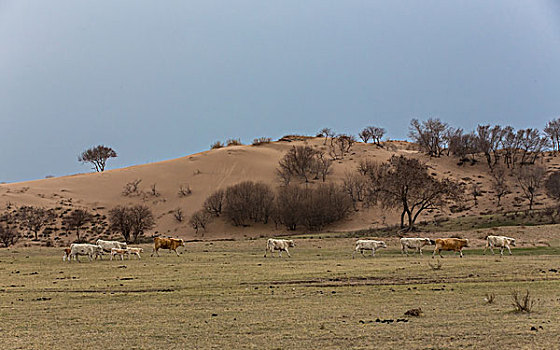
(224, 294)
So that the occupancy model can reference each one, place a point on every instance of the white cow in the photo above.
(499, 242)
(90, 250)
(368, 244)
(279, 244)
(108, 245)
(415, 243)
(136, 251)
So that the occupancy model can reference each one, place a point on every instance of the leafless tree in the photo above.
(298, 162)
(326, 133)
(406, 183)
(552, 185)
(213, 204)
(131, 188)
(475, 192)
(199, 220)
(8, 231)
(355, 185)
(530, 180)
(376, 134)
(322, 166)
(552, 131)
(121, 221)
(142, 220)
(463, 145)
(532, 145)
(178, 214)
(365, 135)
(489, 140)
(77, 219)
(34, 218)
(429, 135)
(97, 156)
(341, 145)
(216, 145)
(367, 165)
(234, 142)
(184, 191)
(511, 144)
(499, 183)
(248, 202)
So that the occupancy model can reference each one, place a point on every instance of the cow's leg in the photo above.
(403, 250)
(509, 250)
(502, 251)
(266, 251)
(373, 252)
(176, 252)
(420, 251)
(461, 253)
(435, 251)
(362, 252)
(485, 248)
(280, 252)
(287, 252)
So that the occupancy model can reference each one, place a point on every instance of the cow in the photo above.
(66, 254)
(136, 251)
(454, 244)
(368, 244)
(118, 251)
(108, 245)
(167, 243)
(415, 243)
(90, 250)
(499, 242)
(281, 245)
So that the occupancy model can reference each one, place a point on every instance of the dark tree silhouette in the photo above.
(530, 179)
(76, 220)
(97, 156)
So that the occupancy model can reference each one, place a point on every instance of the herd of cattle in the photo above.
(115, 248)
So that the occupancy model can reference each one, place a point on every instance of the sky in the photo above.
(159, 80)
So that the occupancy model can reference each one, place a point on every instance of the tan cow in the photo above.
(136, 251)
(118, 251)
(454, 244)
(281, 245)
(167, 243)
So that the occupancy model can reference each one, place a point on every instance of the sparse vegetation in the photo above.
(248, 202)
(77, 219)
(233, 142)
(216, 145)
(214, 203)
(131, 222)
(131, 189)
(530, 180)
(522, 302)
(261, 141)
(199, 220)
(184, 191)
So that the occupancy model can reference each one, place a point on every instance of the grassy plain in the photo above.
(226, 295)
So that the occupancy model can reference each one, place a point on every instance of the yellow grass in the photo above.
(226, 295)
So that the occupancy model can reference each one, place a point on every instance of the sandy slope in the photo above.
(210, 170)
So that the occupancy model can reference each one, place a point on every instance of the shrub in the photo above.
(216, 145)
(261, 140)
(248, 201)
(234, 142)
(200, 219)
(522, 302)
(213, 204)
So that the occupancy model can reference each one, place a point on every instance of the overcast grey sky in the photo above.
(162, 79)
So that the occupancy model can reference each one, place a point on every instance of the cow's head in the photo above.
(430, 241)
(181, 243)
(382, 244)
(512, 241)
(291, 243)
(465, 242)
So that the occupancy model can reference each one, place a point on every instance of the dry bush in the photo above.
(355, 184)
(499, 183)
(200, 219)
(34, 218)
(77, 219)
(429, 135)
(214, 203)
(297, 163)
(490, 298)
(178, 215)
(184, 191)
(248, 202)
(8, 232)
(131, 188)
(530, 179)
(216, 145)
(154, 192)
(367, 166)
(341, 145)
(131, 222)
(234, 142)
(261, 141)
(313, 208)
(523, 302)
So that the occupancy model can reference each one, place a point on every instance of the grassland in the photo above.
(226, 295)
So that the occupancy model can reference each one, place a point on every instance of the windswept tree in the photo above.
(530, 179)
(326, 133)
(429, 135)
(405, 183)
(97, 156)
(77, 219)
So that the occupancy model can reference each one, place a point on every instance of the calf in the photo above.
(368, 244)
(281, 245)
(415, 243)
(499, 242)
(118, 251)
(454, 244)
(66, 254)
(136, 251)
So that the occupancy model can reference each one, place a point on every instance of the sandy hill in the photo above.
(207, 171)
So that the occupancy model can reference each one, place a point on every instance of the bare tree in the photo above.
(322, 166)
(532, 145)
(511, 144)
(8, 232)
(488, 142)
(365, 135)
(499, 183)
(248, 202)
(530, 180)
(552, 185)
(429, 135)
(406, 183)
(121, 221)
(34, 218)
(97, 156)
(298, 162)
(341, 145)
(76, 220)
(178, 214)
(552, 131)
(213, 204)
(142, 220)
(199, 220)
(131, 188)
(355, 185)
(326, 133)
(367, 165)
(475, 192)
(376, 134)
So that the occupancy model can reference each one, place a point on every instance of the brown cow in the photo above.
(66, 254)
(167, 243)
(454, 244)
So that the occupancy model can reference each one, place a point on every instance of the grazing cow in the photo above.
(136, 251)
(167, 243)
(66, 254)
(415, 243)
(368, 244)
(90, 250)
(281, 245)
(118, 251)
(499, 242)
(454, 244)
